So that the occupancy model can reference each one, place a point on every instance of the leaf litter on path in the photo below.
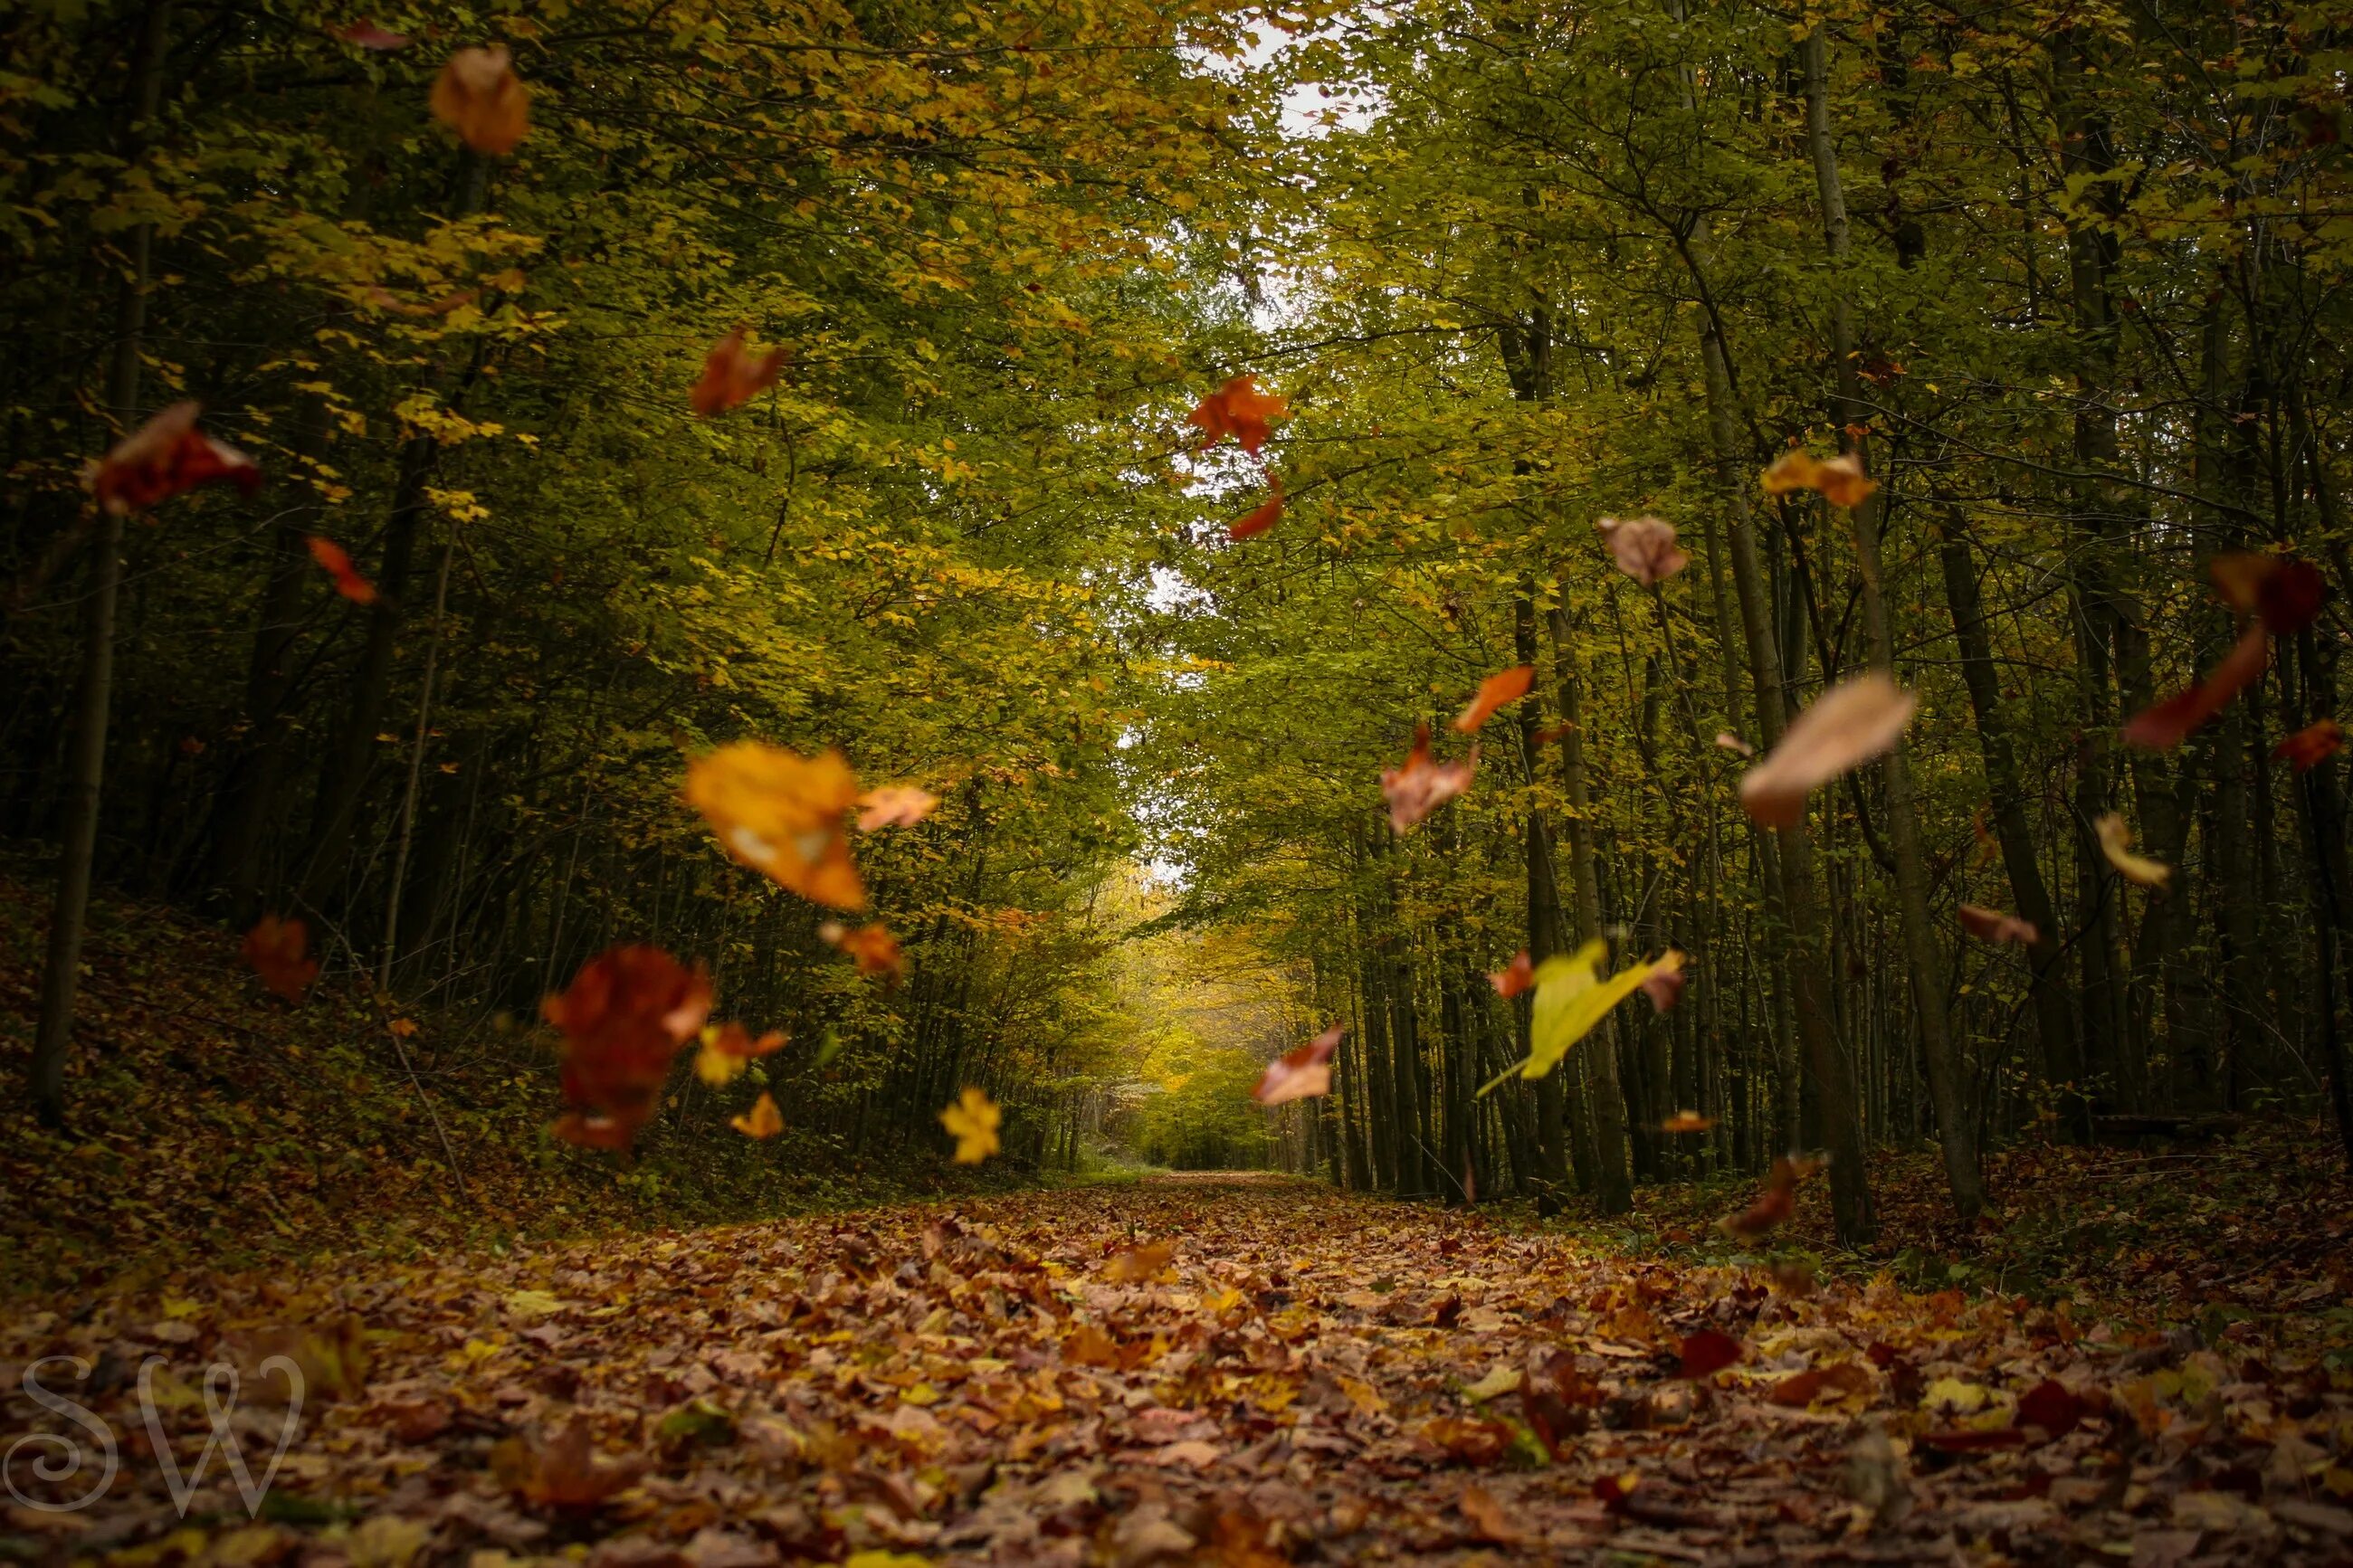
(1238, 1371)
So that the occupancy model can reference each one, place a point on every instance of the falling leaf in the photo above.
(728, 1048)
(1664, 985)
(1263, 516)
(828, 1046)
(1732, 742)
(368, 36)
(2166, 724)
(782, 814)
(1240, 410)
(1847, 726)
(2282, 592)
(401, 1028)
(1687, 1122)
(276, 951)
(1424, 784)
(873, 946)
(1488, 1519)
(1546, 736)
(1776, 1204)
(1993, 925)
(1088, 1345)
(764, 1119)
(338, 562)
(1645, 548)
(479, 96)
(2310, 746)
(1513, 977)
(2116, 843)
(624, 1017)
(972, 1121)
(1138, 1264)
(733, 375)
(894, 805)
(566, 1473)
(162, 457)
(1502, 1380)
(1505, 686)
(1302, 1074)
(1571, 999)
(1840, 479)
(1707, 1352)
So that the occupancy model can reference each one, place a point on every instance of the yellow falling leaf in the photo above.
(764, 1119)
(972, 1121)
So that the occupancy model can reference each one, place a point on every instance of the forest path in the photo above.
(1032, 1379)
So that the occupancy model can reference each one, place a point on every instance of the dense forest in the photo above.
(1122, 431)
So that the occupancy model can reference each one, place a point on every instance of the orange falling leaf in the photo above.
(277, 950)
(763, 1120)
(2165, 725)
(479, 96)
(2310, 746)
(781, 814)
(1841, 480)
(1513, 977)
(1138, 1264)
(894, 805)
(1503, 687)
(1847, 726)
(1645, 548)
(1300, 1074)
(1264, 516)
(1993, 925)
(2282, 592)
(1546, 737)
(873, 946)
(1687, 1122)
(624, 1017)
(728, 1048)
(338, 564)
(162, 457)
(1424, 784)
(1240, 410)
(1777, 1203)
(733, 375)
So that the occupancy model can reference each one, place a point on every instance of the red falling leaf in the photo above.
(1664, 985)
(1424, 784)
(2164, 725)
(624, 1018)
(1776, 1204)
(2310, 746)
(1616, 1489)
(479, 96)
(1687, 1122)
(873, 946)
(1240, 410)
(1645, 548)
(733, 375)
(277, 950)
(1302, 1074)
(1503, 687)
(1708, 1352)
(368, 36)
(1846, 727)
(2052, 1406)
(338, 562)
(1548, 736)
(1513, 977)
(1993, 925)
(2284, 593)
(1264, 516)
(161, 458)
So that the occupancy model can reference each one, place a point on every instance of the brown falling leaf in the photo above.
(1424, 784)
(1643, 548)
(1993, 925)
(1302, 1074)
(1845, 727)
(479, 96)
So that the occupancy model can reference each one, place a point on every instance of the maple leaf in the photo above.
(368, 36)
(1505, 686)
(479, 96)
(1840, 479)
(1471, 1441)
(972, 1121)
(1513, 977)
(1302, 1074)
(1645, 548)
(1847, 726)
(276, 950)
(1664, 985)
(1687, 1122)
(1260, 518)
(2310, 746)
(624, 1017)
(872, 945)
(338, 564)
(2116, 843)
(162, 457)
(1993, 925)
(728, 1048)
(2165, 724)
(1424, 784)
(782, 814)
(894, 805)
(733, 375)
(565, 1473)
(1138, 1264)
(1240, 410)
(763, 1120)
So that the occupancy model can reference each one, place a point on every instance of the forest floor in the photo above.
(1243, 1371)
